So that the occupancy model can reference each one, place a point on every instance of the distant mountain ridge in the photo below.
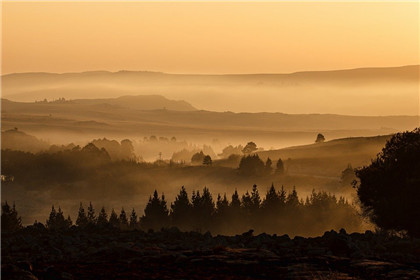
(137, 102)
(363, 91)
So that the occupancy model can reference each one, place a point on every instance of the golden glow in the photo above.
(206, 37)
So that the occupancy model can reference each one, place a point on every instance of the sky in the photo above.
(207, 37)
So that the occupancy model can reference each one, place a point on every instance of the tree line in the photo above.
(278, 212)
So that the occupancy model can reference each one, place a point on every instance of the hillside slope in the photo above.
(328, 158)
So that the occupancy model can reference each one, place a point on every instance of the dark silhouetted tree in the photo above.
(113, 219)
(251, 166)
(320, 138)
(268, 166)
(10, 221)
(181, 211)
(280, 167)
(255, 198)
(222, 205)
(249, 148)
(82, 220)
(133, 219)
(293, 199)
(198, 158)
(203, 209)
(156, 213)
(91, 217)
(123, 219)
(56, 220)
(272, 201)
(207, 160)
(102, 217)
(389, 188)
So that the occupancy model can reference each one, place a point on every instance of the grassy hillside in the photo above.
(328, 158)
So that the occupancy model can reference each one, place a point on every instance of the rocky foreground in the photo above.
(170, 254)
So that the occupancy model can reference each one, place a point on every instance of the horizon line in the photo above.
(209, 74)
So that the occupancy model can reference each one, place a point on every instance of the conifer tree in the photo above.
(56, 220)
(82, 220)
(60, 220)
(51, 220)
(113, 219)
(91, 217)
(293, 199)
(255, 198)
(123, 219)
(235, 202)
(222, 204)
(69, 222)
(272, 200)
(203, 209)
(246, 202)
(133, 219)
(280, 167)
(282, 196)
(156, 213)
(268, 166)
(181, 210)
(102, 218)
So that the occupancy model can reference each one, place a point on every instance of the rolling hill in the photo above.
(120, 118)
(329, 158)
(367, 91)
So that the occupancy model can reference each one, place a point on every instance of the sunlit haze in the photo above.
(207, 37)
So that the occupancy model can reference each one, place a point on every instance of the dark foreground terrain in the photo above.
(169, 254)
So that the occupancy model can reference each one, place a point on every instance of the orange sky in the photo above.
(206, 37)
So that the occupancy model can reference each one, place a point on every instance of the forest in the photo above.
(276, 212)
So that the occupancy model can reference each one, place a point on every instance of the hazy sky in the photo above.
(206, 37)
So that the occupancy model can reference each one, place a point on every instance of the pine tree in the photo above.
(133, 219)
(113, 219)
(181, 211)
(246, 202)
(280, 167)
(272, 200)
(268, 166)
(69, 222)
(255, 198)
(51, 220)
(102, 218)
(282, 196)
(293, 199)
(123, 219)
(91, 215)
(156, 213)
(82, 220)
(60, 220)
(56, 220)
(203, 209)
(222, 204)
(235, 203)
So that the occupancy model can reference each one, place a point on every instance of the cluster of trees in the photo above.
(277, 212)
(123, 150)
(10, 220)
(252, 165)
(193, 154)
(201, 158)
